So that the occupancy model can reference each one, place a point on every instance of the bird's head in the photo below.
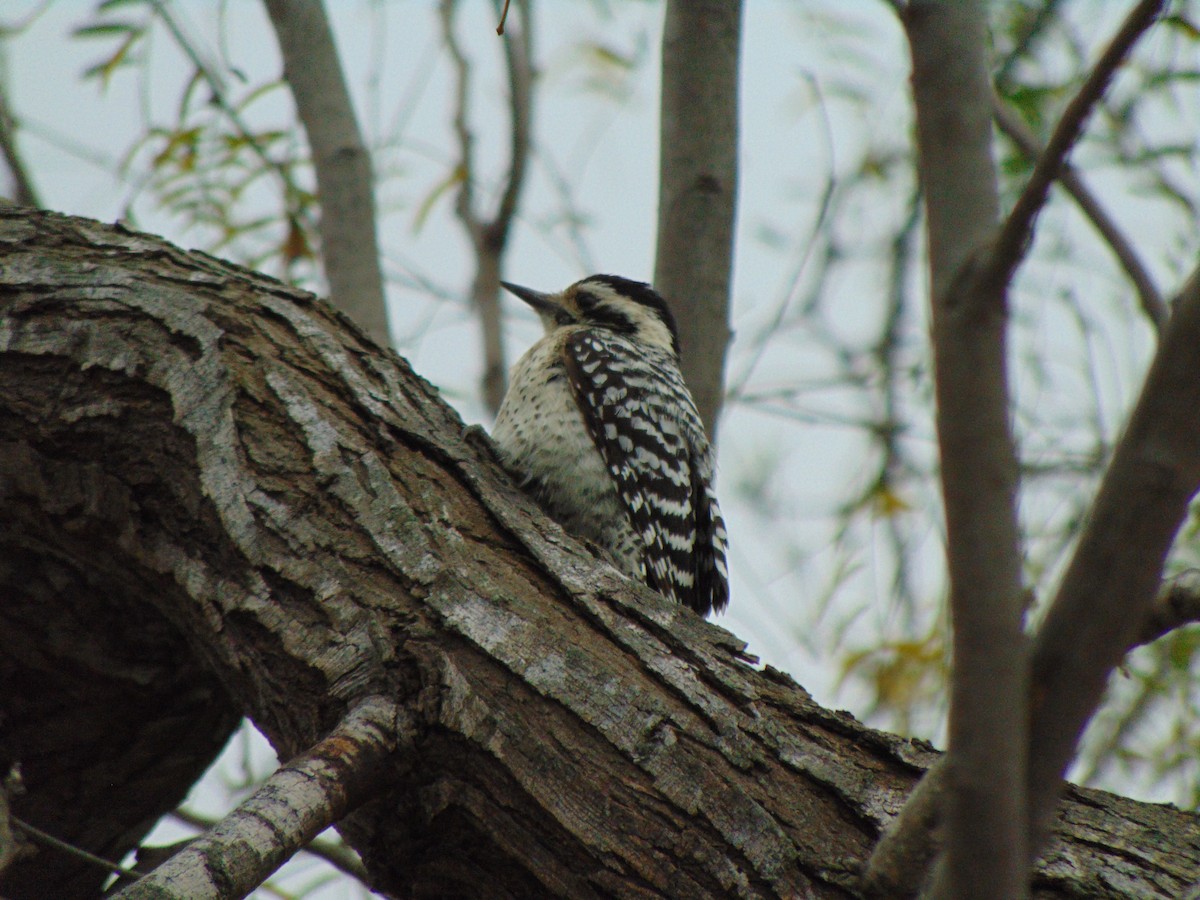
(632, 309)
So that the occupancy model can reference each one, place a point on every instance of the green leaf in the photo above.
(107, 29)
(104, 70)
(1183, 25)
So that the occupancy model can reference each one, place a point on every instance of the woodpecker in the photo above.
(600, 428)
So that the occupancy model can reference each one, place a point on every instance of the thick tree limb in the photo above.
(697, 200)
(239, 474)
(349, 246)
(985, 812)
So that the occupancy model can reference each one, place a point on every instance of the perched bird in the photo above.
(600, 428)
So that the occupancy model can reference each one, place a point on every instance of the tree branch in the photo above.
(986, 763)
(698, 179)
(208, 449)
(518, 57)
(1017, 231)
(489, 236)
(1027, 142)
(220, 98)
(24, 192)
(349, 246)
(334, 852)
(1107, 593)
(299, 801)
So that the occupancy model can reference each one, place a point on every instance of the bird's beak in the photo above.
(539, 301)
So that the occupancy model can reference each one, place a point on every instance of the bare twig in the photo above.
(489, 236)
(217, 87)
(1015, 234)
(1027, 142)
(518, 59)
(24, 192)
(1045, 14)
(48, 840)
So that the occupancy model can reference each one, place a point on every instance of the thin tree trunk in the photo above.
(698, 145)
(985, 797)
(209, 475)
(349, 248)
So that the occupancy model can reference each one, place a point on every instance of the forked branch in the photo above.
(1017, 231)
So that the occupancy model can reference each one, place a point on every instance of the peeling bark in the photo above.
(218, 497)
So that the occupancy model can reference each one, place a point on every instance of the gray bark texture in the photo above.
(218, 498)
(697, 199)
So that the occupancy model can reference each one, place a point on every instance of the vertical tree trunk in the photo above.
(985, 796)
(698, 145)
(345, 182)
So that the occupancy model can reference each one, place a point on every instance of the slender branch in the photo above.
(350, 246)
(1043, 16)
(24, 193)
(1015, 235)
(1047, 756)
(518, 57)
(489, 236)
(217, 87)
(464, 202)
(1027, 142)
(299, 801)
(1109, 588)
(37, 836)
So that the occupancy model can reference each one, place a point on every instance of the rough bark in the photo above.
(215, 488)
